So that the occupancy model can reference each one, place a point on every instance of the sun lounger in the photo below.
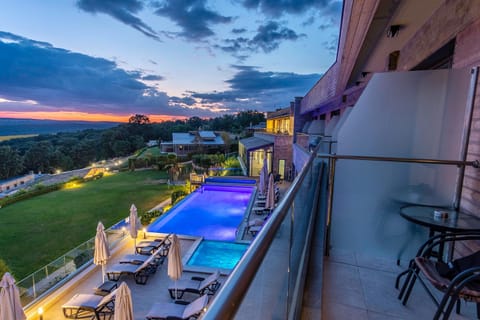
(140, 258)
(89, 306)
(178, 309)
(254, 230)
(197, 285)
(148, 247)
(259, 210)
(140, 272)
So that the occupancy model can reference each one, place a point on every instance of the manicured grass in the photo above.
(151, 152)
(20, 136)
(36, 231)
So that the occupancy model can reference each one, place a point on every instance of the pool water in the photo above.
(212, 211)
(217, 254)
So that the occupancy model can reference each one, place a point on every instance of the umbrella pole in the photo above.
(103, 273)
(135, 245)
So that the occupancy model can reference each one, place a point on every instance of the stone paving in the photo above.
(143, 296)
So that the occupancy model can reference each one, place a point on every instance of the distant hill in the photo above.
(9, 126)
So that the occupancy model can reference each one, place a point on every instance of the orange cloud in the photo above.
(82, 116)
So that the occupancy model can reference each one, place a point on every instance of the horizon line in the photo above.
(81, 116)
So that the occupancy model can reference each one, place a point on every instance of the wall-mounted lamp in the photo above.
(393, 30)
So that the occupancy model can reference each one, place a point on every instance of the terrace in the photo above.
(343, 285)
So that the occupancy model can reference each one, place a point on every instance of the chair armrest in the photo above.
(198, 278)
(426, 249)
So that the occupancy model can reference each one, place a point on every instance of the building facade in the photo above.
(275, 144)
(186, 143)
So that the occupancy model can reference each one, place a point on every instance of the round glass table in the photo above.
(425, 216)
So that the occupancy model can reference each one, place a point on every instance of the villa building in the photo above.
(15, 183)
(187, 143)
(273, 143)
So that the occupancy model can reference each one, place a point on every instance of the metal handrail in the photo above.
(230, 296)
(475, 163)
(332, 158)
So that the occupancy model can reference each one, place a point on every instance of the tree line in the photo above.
(73, 150)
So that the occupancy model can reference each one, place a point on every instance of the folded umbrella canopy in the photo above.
(134, 225)
(101, 252)
(123, 303)
(270, 201)
(262, 184)
(175, 266)
(10, 305)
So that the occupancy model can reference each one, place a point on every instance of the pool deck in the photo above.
(143, 296)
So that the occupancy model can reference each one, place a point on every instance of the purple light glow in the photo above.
(214, 213)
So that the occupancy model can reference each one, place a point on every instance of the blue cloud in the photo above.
(261, 90)
(192, 16)
(122, 10)
(58, 79)
(277, 8)
(152, 77)
(267, 39)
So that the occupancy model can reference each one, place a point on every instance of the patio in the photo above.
(355, 286)
(143, 296)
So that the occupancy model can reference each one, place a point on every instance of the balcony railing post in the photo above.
(331, 182)
(33, 287)
(466, 135)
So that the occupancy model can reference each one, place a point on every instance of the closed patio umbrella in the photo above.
(262, 185)
(270, 201)
(102, 252)
(175, 266)
(123, 303)
(10, 305)
(134, 225)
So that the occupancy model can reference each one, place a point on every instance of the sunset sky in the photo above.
(104, 60)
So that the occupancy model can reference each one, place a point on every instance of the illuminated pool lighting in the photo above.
(212, 211)
(217, 254)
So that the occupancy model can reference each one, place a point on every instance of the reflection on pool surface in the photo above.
(217, 254)
(212, 211)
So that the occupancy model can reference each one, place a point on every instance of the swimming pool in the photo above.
(212, 211)
(217, 254)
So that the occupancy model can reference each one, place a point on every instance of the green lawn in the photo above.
(36, 231)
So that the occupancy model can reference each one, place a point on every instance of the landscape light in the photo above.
(40, 313)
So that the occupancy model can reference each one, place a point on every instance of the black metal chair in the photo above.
(424, 268)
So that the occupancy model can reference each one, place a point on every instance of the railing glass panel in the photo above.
(57, 272)
(264, 283)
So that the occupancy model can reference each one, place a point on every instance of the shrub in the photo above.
(3, 268)
(81, 259)
(149, 216)
(178, 195)
(36, 191)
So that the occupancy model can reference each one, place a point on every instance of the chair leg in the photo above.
(478, 310)
(397, 280)
(440, 308)
(409, 285)
(448, 311)
(408, 278)
(459, 304)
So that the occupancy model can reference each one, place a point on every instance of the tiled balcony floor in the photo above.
(359, 287)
